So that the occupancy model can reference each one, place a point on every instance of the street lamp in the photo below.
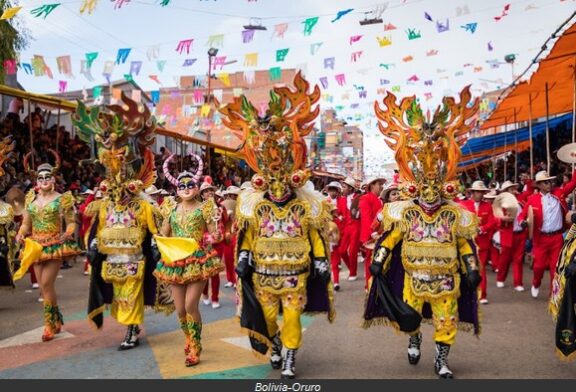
(212, 52)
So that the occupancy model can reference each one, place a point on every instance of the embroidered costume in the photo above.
(6, 224)
(425, 264)
(282, 247)
(121, 251)
(187, 255)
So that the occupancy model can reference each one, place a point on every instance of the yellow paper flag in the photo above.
(205, 110)
(251, 59)
(224, 77)
(175, 248)
(9, 13)
(30, 254)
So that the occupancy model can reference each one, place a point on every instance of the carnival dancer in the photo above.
(562, 303)
(334, 190)
(121, 249)
(486, 229)
(207, 192)
(187, 266)
(282, 253)
(548, 208)
(49, 221)
(230, 196)
(370, 205)
(513, 242)
(435, 261)
(7, 214)
(348, 205)
(493, 258)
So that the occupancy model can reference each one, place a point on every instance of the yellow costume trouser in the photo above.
(444, 313)
(293, 303)
(127, 280)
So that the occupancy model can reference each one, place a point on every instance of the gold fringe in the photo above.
(564, 358)
(93, 314)
(261, 338)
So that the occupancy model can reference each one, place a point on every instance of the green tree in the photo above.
(13, 38)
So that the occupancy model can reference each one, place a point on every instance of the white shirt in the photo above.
(476, 206)
(349, 201)
(551, 213)
(517, 226)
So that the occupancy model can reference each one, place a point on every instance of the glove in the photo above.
(570, 270)
(321, 269)
(244, 268)
(376, 268)
(92, 251)
(473, 279)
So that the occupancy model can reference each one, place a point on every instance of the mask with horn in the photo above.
(45, 172)
(273, 142)
(427, 148)
(123, 135)
(185, 177)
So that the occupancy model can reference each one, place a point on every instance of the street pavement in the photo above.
(517, 341)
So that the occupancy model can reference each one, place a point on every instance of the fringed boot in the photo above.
(414, 353)
(50, 317)
(289, 365)
(59, 320)
(441, 361)
(195, 330)
(131, 339)
(184, 328)
(276, 354)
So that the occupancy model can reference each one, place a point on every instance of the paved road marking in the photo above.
(30, 337)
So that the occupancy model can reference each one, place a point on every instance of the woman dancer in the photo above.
(188, 219)
(49, 221)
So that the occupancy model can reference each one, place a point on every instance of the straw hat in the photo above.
(478, 186)
(492, 194)
(507, 184)
(245, 185)
(334, 184)
(543, 176)
(231, 190)
(387, 190)
(88, 192)
(372, 179)
(152, 190)
(350, 182)
(205, 185)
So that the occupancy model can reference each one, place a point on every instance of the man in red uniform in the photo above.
(370, 205)
(549, 208)
(513, 240)
(350, 236)
(334, 190)
(484, 212)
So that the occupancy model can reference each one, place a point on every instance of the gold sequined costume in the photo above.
(282, 248)
(424, 264)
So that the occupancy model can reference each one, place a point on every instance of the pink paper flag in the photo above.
(340, 79)
(62, 86)
(10, 66)
(355, 38)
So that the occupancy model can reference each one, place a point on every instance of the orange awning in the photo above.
(557, 69)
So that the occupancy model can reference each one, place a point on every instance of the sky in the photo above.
(435, 64)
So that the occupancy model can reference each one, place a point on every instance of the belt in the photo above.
(518, 231)
(552, 232)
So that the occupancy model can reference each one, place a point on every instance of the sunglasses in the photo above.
(188, 185)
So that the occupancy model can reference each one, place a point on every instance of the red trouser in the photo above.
(546, 251)
(483, 256)
(494, 257)
(229, 260)
(215, 280)
(335, 263)
(514, 255)
(367, 262)
(349, 247)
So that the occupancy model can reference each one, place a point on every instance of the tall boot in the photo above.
(49, 322)
(289, 365)
(276, 354)
(131, 339)
(441, 361)
(195, 330)
(184, 328)
(414, 353)
(59, 320)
